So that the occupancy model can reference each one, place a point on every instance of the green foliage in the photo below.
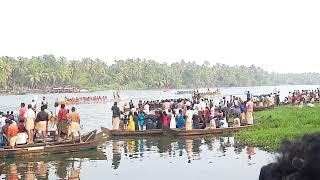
(281, 123)
(49, 71)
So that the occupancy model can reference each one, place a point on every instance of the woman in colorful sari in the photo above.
(180, 120)
(131, 125)
(141, 120)
(207, 114)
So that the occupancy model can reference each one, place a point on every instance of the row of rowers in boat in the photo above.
(93, 140)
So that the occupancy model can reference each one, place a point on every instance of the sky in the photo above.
(277, 35)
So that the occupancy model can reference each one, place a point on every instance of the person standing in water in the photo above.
(115, 116)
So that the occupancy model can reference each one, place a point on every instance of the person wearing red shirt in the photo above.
(13, 133)
(22, 110)
(207, 114)
(63, 121)
(165, 120)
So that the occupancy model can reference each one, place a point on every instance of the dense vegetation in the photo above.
(281, 123)
(49, 71)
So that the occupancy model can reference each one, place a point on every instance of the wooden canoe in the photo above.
(197, 132)
(70, 102)
(153, 132)
(91, 141)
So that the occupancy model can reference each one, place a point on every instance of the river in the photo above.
(156, 158)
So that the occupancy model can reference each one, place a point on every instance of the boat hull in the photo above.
(153, 132)
(198, 132)
(91, 141)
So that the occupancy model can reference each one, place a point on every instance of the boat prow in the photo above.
(121, 133)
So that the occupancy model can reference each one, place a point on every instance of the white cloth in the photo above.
(22, 138)
(173, 123)
(196, 107)
(52, 126)
(44, 102)
(223, 123)
(146, 108)
(49, 112)
(2, 123)
(203, 106)
(189, 115)
(188, 103)
(56, 111)
(33, 104)
(30, 114)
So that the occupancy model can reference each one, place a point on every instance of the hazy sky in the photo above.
(271, 34)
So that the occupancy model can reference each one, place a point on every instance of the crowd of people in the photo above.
(30, 122)
(183, 113)
(303, 96)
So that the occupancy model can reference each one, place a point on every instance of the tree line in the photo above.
(49, 71)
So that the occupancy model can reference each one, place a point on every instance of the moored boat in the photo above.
(71, 102)
(197, 132)
(152, 132)
(90, 141)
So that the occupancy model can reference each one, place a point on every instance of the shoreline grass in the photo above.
(281, 123)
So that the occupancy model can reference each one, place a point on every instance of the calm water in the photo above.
(157, 158)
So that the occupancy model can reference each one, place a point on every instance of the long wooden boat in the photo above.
(91, 141)
(153, 132)
(197, 132)
(70, 102)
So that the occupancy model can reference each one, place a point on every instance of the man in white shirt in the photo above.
(30, 116)
(196, 106)
(146, 108)
(44, 101)
(33, 105)
(189, 115)
(203, 105)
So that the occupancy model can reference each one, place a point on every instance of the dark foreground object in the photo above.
(298, 160)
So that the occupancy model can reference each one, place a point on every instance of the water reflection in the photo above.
(65, 166)
(191, 148)
(130, 155)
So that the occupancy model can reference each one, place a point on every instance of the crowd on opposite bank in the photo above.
(300, 97)
(23, 128)
(184, 114)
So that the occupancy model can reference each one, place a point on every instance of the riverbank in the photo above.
(274, 126)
